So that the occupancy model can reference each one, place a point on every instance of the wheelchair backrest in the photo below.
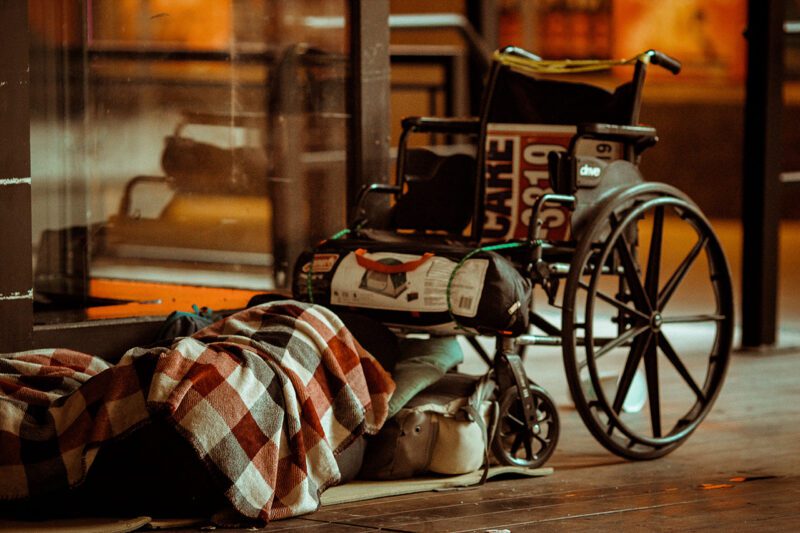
(524, 119)
(516, 97)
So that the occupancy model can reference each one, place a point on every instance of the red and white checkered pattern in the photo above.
(267, 398)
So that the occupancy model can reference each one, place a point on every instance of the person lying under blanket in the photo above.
(252, 411)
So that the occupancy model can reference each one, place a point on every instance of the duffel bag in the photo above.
(445, 429)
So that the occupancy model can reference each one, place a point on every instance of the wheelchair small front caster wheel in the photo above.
(517, 443)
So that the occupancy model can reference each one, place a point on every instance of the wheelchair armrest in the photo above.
(384, 188)
(463, 126)
(441, 125)
(359, 216)
(641, 137)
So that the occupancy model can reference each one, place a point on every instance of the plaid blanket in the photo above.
(267, 397)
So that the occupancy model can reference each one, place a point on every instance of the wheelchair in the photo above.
(630, 279)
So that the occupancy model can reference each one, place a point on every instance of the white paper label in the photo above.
(322, 262)
(423, 289)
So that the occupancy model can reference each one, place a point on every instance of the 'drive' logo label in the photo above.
(516, 176)
(589, 171)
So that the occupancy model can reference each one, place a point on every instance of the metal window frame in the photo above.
(16, 273)
(368, 102)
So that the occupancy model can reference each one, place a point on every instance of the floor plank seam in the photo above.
(347, 524)
(586, 515)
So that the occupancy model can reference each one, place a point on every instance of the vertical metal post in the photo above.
(370, 136)
(16, 276)
(762, 159)
(483, 15)
(289, 194)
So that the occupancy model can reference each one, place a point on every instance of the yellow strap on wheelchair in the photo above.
(530, 65)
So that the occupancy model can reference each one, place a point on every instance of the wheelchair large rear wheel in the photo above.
(647, 322)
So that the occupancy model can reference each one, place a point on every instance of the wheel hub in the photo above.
(656, 321)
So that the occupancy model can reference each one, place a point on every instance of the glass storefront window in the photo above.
(181, 144)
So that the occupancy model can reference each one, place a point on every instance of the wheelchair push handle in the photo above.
(663, 60)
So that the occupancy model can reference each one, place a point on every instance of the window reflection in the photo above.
(195, 143)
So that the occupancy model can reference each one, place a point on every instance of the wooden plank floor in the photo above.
(739, 471)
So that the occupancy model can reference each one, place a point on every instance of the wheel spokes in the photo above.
(680, 273)
(687, 319)
(622, 339)
(651, 373)
(622, 306)
(517, 443)
(634, 357)
(520, 444)
(515, 420)
(669, 351)
(655, 267)
(654, 256)
(640, 297)
(528, 448)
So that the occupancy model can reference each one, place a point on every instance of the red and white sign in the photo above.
(516, 176)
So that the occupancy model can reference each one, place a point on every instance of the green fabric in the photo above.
(421, 363)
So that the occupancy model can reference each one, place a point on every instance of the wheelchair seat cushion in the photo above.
(440, 195)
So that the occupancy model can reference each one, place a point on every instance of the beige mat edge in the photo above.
(356, 491)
